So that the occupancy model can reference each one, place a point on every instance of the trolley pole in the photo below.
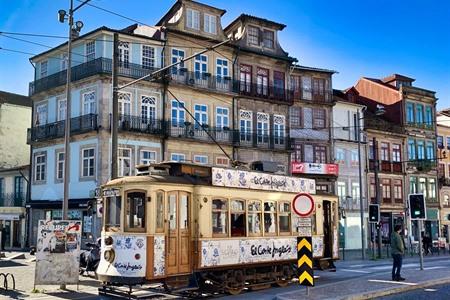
(115, 106)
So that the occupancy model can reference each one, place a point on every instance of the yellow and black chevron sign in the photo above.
(305, 262)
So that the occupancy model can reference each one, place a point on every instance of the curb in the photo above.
(381, 293)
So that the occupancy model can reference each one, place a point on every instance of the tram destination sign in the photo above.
(262, 181)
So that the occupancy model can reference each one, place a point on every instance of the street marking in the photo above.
(390, 281)
(355, 266)
(430, 290)
(433, 268)
(356, 271)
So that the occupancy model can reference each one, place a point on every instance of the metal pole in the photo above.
(65, 206)
(377, 191)
(115, 106)
(361, 204)
(420, 244)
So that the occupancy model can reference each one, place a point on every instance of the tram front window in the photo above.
(237, 218)
(112, 216)
(135, 209)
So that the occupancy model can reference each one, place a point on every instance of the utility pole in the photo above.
(377, 191)
(361, 204)
(115, 106)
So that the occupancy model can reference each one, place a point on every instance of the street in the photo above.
(433, 292)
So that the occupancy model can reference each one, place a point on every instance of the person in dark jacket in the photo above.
(397, 250)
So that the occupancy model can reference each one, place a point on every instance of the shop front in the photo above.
(12, 226)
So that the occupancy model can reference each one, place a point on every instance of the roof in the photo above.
(306, 68)
(177, 5)
(380, 82)
(11, 98)
(244, 17)
(397, 77)
(17, 168)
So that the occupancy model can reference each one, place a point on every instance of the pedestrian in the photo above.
(397, 250)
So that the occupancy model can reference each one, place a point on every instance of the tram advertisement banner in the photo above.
(232, 252)
(58, 252)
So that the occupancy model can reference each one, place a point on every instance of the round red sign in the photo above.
(303, 204)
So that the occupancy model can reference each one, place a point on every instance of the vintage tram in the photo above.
(223, 229)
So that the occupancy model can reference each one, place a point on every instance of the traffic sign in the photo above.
(305, 261)
(304, 226)
(303, 204)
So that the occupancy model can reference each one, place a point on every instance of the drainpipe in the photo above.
(163, 112)
(234, 107)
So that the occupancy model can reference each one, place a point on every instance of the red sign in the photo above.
(303, 204)
(314, 168)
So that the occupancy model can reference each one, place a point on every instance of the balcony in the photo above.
(262, 141)
(203, 80)
(12, 200)
(141, 125)
(266, 92)
(97, 66)
(386, 167)
(312, 96)
(421, 125)
(382, 125)
(189, 131)
(55, 130)
(422, 165)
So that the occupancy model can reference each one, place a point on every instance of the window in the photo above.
(124, 162)
(278, 129)
(201, 159)
(177, 56)
(430, 150)
(372, 191)
(135, 211)
(318, 88)
(420, 150)
(64, 61)
(62, 103)
(222, 161)
(396, 153)
(340, 156)
(18, 188)
(40, 161)
(88, 161)
(296, 154)
(431, 189)
(411, 149)
(320, 154)
(160, 212)
(342, 194)
(409, 112)
(413, 185)
(90, 50)
(148, 110)
(124, 54)
(270, 218)
(448, 142)
(295, 117)
(148, 157)
(148, 57)
(441, 170)
(209, 24)
(193, 19)
(268, 39)
(60, 165)
(201, 114)
(200, 66)
(245, 125)
(245, 78)
(178, 114)
(318, 118)
(237, 218)
(262, 126)
(398, 191)
(44, 68)
(41, 114)
(278, 84)
(419, 113)
(253, 35)
(284, 217)
(308, 151)
(428, 115)
(262, 81)
(113, 209)
(222, 118)
(384, 153)
(124, 104)
(445, 202)
(89, 104)
(355, 195)
(386, 190)
(440, 142)
(295, 85)
(306, 88)
(354, 157)
(221, 69)
(177, 157)
(220, 217)
(423, 187)
(254, 217)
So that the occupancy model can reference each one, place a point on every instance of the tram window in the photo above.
(270, 218)
(172, 212)
(135, 208)
(238, 218)
(159, 212)
(113, 208)
(284, 216)
(254, 217)
(183, 211)
(220, 217)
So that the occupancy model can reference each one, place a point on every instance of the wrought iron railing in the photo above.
(55, 130)
(268, 92)
(142, 125)
(312, 96)
(382, 125)
(12, 200)
(422, 125)
(203, 80)
(190, 131)
(423, 165)
(262, 140)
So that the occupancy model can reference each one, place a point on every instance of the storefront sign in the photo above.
(315, 168)
(57, 252)
(262, 181)
(111, 193)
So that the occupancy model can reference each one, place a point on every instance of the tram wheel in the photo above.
(235, 282)
(285, 278)
(324, 264)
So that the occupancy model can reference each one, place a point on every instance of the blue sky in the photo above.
(356, 38)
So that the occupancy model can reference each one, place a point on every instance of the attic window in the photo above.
(193, 19)
(253, 35)
(210, 24)
(268, 38)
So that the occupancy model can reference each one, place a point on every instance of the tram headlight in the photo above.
(109, 241)
(109, 255)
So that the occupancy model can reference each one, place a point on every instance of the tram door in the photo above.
(177, 233)
(327, 230)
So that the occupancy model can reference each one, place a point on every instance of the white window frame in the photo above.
(279, 129)
(221, 69)
(148, 60)
(263, 133)
(59, 165)
(40, 168)
(148, 109)
(246, 125)
(180, 114)
(222, 119)
(41, 116)
(177, 154)
(199, 63)
(210, 23)
(61, 116)
(199, 158)
(192, 19)
(90, 160)
(89, 103)
(124, 103)
(124, 54)
(200, 114)
(177, 58)
(90, 50)
(43, 71)
(121, 161)
(147, 161)
(64, 61)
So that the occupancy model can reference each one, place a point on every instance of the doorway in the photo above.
(327, 230)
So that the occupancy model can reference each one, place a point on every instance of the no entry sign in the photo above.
(303, 204)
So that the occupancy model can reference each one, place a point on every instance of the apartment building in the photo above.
(443, 156)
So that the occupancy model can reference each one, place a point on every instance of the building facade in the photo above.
(443, 156)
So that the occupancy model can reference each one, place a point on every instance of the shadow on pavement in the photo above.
(70, 294)
(10, 263)
(13, 294)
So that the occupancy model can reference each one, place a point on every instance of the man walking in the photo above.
(397, 250)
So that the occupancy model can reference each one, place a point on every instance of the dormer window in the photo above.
(193, 19)
(253, 35)
(268, 39)
(210, 24)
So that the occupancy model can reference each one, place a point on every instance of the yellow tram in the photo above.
(224, 229)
